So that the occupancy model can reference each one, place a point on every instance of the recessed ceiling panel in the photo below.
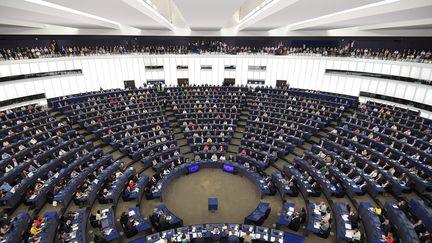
(399, 16)
(207, 14)
(115, 10)
(29, 16)
(304, 10)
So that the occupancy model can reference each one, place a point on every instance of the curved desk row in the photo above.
(18, 228)
(137, 194)
(302, 183)
(403, 225)
(286, 215)
(421, 211)
(284, 186)
(371, 222)
(117, 187)
(228, 166)
(258, 216)
(108, 225)
(162, 218)
(63, 104)
(219, 232)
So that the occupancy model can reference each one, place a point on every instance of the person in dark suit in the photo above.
(354, 219)
(295, 222)
(425, 237)
(303, 216)
(67, 226)
(386, 226)
(403, 206)
(123, 218)
(419, 227)
(129, 224)
(233, 238)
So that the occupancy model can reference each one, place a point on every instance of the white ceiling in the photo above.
(216, 18)
(306, 9)
(208, 14)
(114, 10)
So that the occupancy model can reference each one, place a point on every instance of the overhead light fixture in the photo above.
(148, 8)
(73, 11)
(151, 4)
(258, 9)
(155, 10)
(347, 11)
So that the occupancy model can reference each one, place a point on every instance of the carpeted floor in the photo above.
(187, 197)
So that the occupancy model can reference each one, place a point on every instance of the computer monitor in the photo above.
(193, 168)
(228, 168)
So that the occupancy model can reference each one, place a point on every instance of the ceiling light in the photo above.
(70, 10)
(258, 9)
(347, 11)
(149, 5)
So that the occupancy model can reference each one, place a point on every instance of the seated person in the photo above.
(419, 227)
(325, 228)
(247, 237)
(35, 230)
(389, 238)
(322, 207)
(386, 227)
(356, 236)
(354, 219)
(232, 238)
(425, 236)
(295, 221)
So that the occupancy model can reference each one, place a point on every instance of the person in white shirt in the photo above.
(356, 236)
(322, 207)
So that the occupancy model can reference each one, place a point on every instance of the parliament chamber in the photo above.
(199, 121)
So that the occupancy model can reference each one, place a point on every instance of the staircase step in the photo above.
(306, 146)
(328, 129)
(118, 155)
(271, 169)
(315, 139)
(235, 141)
(233, 149)
(238, 135)
(279, 164)
(240, 129)
(179, 136)
(98, 144)
(290, 158)
(89, 137)
(182, 142)
(298, 151)
(185, 149)
(322, 134)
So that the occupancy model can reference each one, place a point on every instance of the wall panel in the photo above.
(299, 71)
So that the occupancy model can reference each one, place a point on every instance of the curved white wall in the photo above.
(300, 71)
